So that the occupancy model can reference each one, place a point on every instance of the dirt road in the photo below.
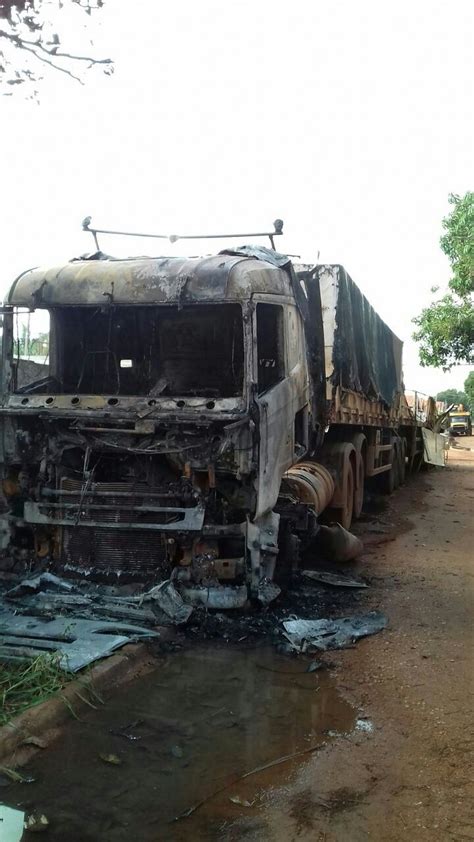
(412, 777)
(383, 742)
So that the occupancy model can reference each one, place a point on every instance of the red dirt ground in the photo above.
(412, 778)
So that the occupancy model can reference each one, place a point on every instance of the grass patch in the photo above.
(27, 684)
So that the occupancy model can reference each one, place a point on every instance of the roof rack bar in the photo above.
(173, 238)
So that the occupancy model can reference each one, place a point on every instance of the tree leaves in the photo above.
(446, 327)
(469, 390)
(458, 243)
(450, 396)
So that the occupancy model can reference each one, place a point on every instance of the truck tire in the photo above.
(347, 510)
(360, 443)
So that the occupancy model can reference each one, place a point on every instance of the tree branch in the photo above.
(56, 53)
(26, 21)
(23, 45)
(55, 66)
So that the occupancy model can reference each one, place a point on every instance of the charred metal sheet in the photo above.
(219, 597)
(336, 580)
(47, 595)
(332, 634)
(260, 253)
(170, 601)
(434, 447)
(78, 642)
(97, 407)
(192, 518)
(149, 281)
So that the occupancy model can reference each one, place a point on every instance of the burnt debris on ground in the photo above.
(321, 590)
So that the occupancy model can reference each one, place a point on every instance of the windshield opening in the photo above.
(31, 336)
(153, 351)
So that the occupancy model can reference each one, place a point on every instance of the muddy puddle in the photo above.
(185, 734)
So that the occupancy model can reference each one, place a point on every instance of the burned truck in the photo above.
(192, 418)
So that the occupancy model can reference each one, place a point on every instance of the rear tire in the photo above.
(359, 487)
(348, 508)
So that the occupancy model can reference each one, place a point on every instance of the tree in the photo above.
(450, 396)
(469, 389)
(446, 327)
(30, 41)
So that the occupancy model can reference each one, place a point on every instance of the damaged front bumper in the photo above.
(191, 519)
(200, 574)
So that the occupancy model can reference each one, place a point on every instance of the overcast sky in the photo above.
(352, 121)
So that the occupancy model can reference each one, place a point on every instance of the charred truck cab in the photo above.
(191, 418)
(148, 436)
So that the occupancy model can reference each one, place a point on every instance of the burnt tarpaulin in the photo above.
(362, 353)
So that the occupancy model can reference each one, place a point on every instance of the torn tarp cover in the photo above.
(332, 634)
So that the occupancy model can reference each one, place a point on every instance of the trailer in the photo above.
(194, 419)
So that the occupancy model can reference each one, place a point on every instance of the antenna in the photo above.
(173, 238)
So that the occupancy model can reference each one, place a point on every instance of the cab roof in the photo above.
(94, 279)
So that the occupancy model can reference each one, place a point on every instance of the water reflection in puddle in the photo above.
(191, 728)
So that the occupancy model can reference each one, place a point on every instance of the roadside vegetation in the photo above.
(446, 328)
(454, 396)
(24, 685)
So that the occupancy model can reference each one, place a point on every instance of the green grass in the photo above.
(24, 685)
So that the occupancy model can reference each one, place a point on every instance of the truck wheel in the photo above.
(359, 487)
(402, 468)
(348, 508)
(360, 443)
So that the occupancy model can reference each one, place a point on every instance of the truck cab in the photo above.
(193, 418)
(460, 421)
(150, 409)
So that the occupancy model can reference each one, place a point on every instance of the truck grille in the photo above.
(112, 554)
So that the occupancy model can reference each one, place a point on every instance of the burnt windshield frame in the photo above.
(28, 348)
(146, 351)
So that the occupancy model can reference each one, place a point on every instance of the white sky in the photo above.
(352, 121)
